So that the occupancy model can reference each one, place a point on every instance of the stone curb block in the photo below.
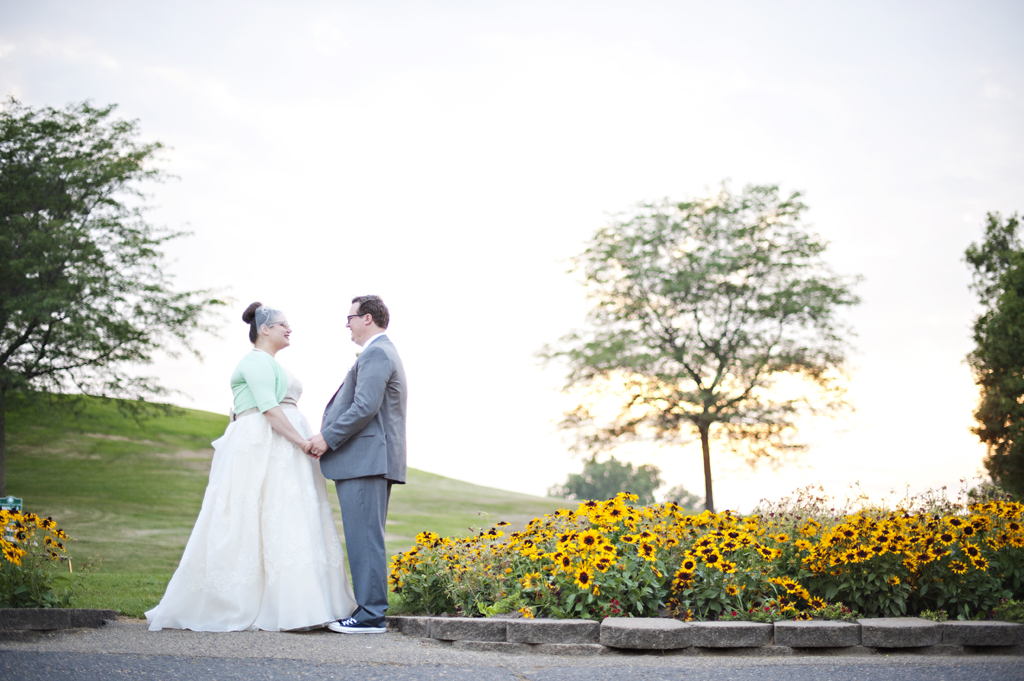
(468, 629)
(899, 632)
(645, 633)
(731, 634)
(817, 634)
(982, 633)
(553, 631)
(418, 627)
(48, 619)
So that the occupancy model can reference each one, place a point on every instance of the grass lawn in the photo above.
(130, 492)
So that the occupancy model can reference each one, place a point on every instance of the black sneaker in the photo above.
(353, 626)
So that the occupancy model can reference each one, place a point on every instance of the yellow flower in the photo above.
(584, 579)
(893, 581)
(530, 580)
(526, 612)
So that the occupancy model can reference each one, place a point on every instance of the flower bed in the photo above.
(33, 550)
(797, 559)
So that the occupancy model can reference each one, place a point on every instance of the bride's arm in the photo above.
(279, 422)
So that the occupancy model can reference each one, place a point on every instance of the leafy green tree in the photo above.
(604, 479)
(718, 311)
(998, 360)
(83, 290)
(685, 499)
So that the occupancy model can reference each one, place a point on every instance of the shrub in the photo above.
(1010, 611)
(32, 570)
(934, 615)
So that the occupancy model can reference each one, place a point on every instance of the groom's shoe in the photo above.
(353, 626)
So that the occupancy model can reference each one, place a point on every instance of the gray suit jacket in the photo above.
(364, 423)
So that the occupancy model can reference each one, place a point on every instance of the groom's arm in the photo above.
(374, 368)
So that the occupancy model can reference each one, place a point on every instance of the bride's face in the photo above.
(279, 334)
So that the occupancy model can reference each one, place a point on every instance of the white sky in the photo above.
(450, 156)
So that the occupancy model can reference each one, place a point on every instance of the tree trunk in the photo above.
(709, 499)
(3, 447)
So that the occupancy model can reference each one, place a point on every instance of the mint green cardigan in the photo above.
(258, 382)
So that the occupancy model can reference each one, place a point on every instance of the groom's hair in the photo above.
(374, 306)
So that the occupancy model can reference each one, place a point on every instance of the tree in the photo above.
(998, 360)
(717, 311)
(685, 499)
(83, 290)
(603, 480)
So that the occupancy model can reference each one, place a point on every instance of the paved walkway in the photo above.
(127, 650)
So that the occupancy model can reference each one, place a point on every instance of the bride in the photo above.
(264, 552)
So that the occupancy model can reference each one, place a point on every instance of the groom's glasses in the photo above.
(348, 320)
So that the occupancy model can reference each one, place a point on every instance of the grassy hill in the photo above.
(130, 492)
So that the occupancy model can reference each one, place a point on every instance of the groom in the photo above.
(361, 445)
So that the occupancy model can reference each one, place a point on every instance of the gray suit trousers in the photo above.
(364, 511)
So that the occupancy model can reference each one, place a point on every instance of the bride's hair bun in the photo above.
(250, 313)
(249, 317)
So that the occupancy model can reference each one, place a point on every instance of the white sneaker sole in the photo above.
(356, 630)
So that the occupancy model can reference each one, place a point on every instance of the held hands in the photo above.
(307, 448)
(317, 446)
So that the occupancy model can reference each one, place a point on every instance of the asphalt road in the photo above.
(126, 650)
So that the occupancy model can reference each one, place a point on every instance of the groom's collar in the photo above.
(370, 340)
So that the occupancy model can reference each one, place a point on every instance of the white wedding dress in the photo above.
(264, 552)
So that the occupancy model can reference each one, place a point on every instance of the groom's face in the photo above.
(359, 326)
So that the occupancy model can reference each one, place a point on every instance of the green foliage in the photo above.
(833, 612)
(997, 361)
(765, 614)
(84, 292)
(702, 312)
(684, 499)
(603, 480)
(1009, 611)
(934, 615)
(33, 585)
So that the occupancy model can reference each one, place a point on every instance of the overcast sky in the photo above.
(451, 156)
